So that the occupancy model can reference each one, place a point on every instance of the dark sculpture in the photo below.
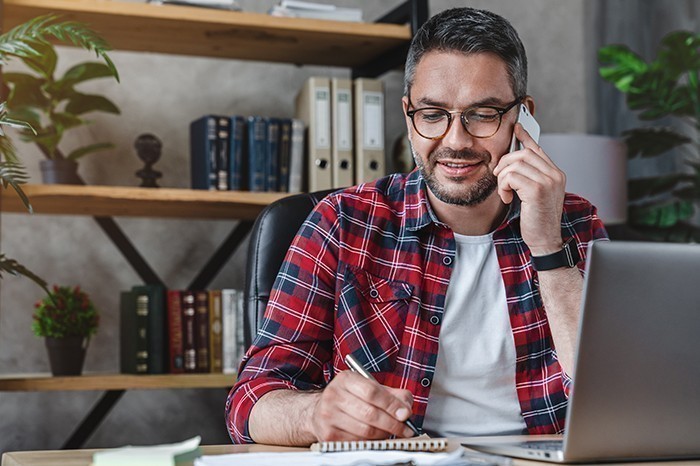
(148, 149)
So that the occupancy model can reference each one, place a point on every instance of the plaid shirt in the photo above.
(367, 274)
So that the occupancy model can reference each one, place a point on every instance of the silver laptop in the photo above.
(636, 389)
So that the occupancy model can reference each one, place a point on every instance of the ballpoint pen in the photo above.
(355, 366)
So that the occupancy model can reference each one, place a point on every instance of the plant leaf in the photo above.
(13, 174)
(650, 142)
(13, 267)
(621, 66)
(639, 188)
(25, 91)
(45, 62)
(77, 153)
(80, 104)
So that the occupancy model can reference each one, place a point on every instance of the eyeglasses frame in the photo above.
(462, 117)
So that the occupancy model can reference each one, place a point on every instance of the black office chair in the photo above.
(270, 238)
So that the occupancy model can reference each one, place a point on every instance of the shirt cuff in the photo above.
(241, 400)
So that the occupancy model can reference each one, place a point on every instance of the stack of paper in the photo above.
(300, 9)
(219, 4)
(157, 455)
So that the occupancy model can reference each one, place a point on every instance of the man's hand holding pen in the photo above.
(353, 407)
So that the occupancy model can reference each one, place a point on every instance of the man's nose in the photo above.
(457, 136)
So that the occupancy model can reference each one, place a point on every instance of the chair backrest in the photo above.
(270, 238)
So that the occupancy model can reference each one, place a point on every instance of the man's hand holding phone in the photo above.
(539, 184)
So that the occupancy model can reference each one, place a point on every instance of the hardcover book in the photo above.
(133, 334)
(188, 331)
(215, 324)
(176, 351)
(154, 298)
(285, 148)
(236, 165)
(201, 330)
(203, 153)
(272, 155)
(257, 141)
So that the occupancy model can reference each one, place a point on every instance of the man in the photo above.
(429, 278)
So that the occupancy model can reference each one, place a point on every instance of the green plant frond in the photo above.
(661, 215)
(7, 150)
(13, 174)
(45, 62)
(640, 188)
(20, 40)
(80, 152)
(80, 104)
(650, 142)
(13, 267)
(620, 66)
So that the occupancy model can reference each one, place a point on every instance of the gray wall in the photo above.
(161, 94)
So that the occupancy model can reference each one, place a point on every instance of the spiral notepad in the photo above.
(411, 444)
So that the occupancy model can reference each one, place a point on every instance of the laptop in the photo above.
(636, 392)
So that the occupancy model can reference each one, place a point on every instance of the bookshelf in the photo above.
(47, 382)
(368, 49)
(120, 201)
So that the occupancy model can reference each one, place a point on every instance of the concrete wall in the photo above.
(161, 94)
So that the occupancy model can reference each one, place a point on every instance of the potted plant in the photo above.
(27, 41)
(663, 90)
(66, 318)
(52, 104)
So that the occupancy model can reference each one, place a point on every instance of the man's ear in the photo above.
(404, 106)
(529, 102)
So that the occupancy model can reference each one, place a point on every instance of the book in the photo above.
(369, 129)
(272, 155)
(203, 153)
(311, 10)
(215, 324)
(201, 330)
(285, 148)
(313, 107)
(257, 140)
(133, 334)
(421, 443)
(297, 157)
(342, 167)
(223, 139)
(176, 349)
(229, 336)
(153, 455)
(236, 145)
(188, 331)
(153, 296)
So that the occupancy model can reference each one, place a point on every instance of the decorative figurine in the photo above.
(148, 149)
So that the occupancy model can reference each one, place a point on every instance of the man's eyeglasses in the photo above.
(481, 122)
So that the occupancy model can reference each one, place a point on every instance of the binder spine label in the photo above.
(373, 120)
(322, 105)
(344, 115)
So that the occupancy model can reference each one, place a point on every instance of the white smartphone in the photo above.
(529, 123)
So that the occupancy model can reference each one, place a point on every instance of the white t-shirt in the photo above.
(473, 390)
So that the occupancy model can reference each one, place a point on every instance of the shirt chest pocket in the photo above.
(371, 318)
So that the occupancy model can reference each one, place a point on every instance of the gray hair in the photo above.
(469, 30)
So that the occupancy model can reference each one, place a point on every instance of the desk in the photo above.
(84, 457)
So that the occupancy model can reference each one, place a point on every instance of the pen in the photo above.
(355, 366)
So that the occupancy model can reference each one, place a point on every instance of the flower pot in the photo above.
(66, 355)
(59, 172)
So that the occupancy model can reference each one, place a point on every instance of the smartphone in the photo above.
(529, 123)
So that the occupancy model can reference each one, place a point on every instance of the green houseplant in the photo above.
(28, 42)
(66, 318)
(53, 104)
(665, 90)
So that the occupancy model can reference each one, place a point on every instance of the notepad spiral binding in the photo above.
(428, 445)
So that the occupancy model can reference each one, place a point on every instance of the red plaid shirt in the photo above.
(367, 274)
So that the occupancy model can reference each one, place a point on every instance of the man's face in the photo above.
(458, 168)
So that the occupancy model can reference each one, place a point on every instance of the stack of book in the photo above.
(345, 131)
(255, 153)
(179, 331)
(312, 10)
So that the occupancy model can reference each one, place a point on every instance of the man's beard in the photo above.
(471, 195)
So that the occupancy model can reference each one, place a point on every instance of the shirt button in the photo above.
(425, 381)
(434, 320)
(447, 260)
(373, 293)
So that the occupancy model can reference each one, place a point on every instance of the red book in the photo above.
(176, 348)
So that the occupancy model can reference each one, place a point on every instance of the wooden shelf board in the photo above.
(206, 32)
(138, 202)
(46, 382)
